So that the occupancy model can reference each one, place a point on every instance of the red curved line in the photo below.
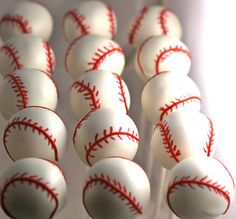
(163, 21)
(111, 20)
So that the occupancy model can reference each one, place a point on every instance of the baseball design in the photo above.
(160, 54)
(26, 18)
(104, 133)
(27, 87)
(116, 188)
(168, 92)
(93, 52)
(181, 135)
(35, 132)
(200, 187)
(90, 17)
(33, 188)
(153, 21)
(96, 89)
(26, 51)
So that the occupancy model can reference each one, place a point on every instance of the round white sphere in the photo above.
(153, 21)
(33, 188)
(104, 133)
(168, 92)
(26, 17)
(27, 87)
(183, 134)
(26, 51)
(160, 54)
(89, 17)
(93, 52)
(116, 188)
(200, 187)
(96, 89)
(35, 132)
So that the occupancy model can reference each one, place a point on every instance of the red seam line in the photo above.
(111, 21)
(122, 94)
(20, 89)
(208, 150)
(163, 21)
(175, 105)
(99, 59)
(33, 126)
(13, 54)
(92, 146)
(50, 59)
(200, 184)
(22, 23)
(29, 180)
(137, 25)
(123, 194)
(175, 49)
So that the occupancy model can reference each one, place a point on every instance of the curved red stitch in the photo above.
(137, 24)
(211, 134)
(57, 166)
(166, 109)
(167, 141)
(201, 183)
(101, 54)
(31, 180)
(163, 54)
(111, 20)
(122, 92)
(20, 91)
(11, 52)
(79, 21)
(50, 57)
(162, 21)
(25, 123)
(92, 146)
(116, 189)
(17, 20)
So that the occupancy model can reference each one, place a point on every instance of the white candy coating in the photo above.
(35, 132)
(89, 17)
(116, 188)
(27, 87)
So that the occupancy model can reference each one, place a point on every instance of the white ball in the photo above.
(93, 52)
(26, 18)
(96, 89)
(33, 188)
(116, 188)
(27, 87)
(160, 54)
(90, 17)
(153, 21)
(26, 51)
(181, 135)
(104, 133)
(35, 132)
(168, 92)
(200, 187)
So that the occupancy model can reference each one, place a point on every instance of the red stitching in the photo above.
(122, 92)
(17, 21)
(168, 108)
(101, 54)
(19, 89)
(137, 24)
(163, 21)
(94, 146)
(50, 57)
(115, 188)
(167, 141)
(11, 52)
(31, 180)
(202, 183)
(164, 53)
(78, 20)
(211, 134)
(23, 124)
(111, 20)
